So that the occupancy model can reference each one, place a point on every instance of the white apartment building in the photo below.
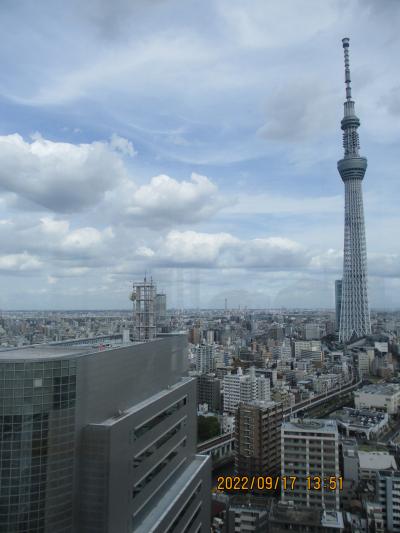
(204, 358)
(282, 352)
(310, 453)
(371, 463)
(309, 345)
(365, 359)
(245, 388)
(380, 396)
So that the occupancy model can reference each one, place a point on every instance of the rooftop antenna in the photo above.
(347, 78)
(350, 122)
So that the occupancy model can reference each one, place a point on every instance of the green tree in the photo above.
(207, 427)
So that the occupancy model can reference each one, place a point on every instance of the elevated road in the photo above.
(321, 398)
(221, 448)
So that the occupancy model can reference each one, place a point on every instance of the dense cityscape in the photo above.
(261, 376)
(147, 415)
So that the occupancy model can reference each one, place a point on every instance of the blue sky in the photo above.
(194, 141)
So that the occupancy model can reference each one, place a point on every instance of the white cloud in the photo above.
(22, 262)
(331, 260)
(62, 177)
(166, 201)
(144, 251)
(262, 25)
(122, 145)
(86, 238)
(190, 93)
(223, 250)
(384, 265)
(271, 203)
(54, 227)
(190, 247)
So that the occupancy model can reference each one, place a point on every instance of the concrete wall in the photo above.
(116, 379)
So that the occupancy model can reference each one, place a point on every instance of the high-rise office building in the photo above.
(310, 452)
(258, 438)
(338, 302)
(354, 315)
(100, 439)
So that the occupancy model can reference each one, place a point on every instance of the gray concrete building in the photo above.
(310, 453)
(209, 391)
(100, 439)
(388, 496)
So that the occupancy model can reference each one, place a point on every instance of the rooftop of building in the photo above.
(377, 461)
(312, 425)
(120, 415)
(284, 512)
(380, 388)
(258, 404)
(362, 418)
(68, 348)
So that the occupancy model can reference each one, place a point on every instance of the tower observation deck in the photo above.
(354, 315)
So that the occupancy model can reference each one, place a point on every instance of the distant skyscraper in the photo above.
(161, 307)
(338, 301)
(354, 316)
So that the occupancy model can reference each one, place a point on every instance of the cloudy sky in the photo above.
(194, 141)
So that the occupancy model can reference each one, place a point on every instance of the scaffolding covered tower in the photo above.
(143, 297)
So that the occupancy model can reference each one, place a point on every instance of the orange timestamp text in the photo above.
(273, 483)
(256, 482)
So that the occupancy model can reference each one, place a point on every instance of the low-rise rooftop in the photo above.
(377, 461)
(284, 513)
(305, 424)
(362, 418)
(380, 388)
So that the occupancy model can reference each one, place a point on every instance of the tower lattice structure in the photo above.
(354, 315)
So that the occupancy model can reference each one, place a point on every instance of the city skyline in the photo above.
(106, 122)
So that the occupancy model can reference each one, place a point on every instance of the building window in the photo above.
(138, 487)
(185, 507)
(148, 452)
(157, 419)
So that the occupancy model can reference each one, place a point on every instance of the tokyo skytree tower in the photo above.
(354, 316)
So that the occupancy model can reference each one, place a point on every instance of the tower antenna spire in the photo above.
(347, 78)
(354, 313)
